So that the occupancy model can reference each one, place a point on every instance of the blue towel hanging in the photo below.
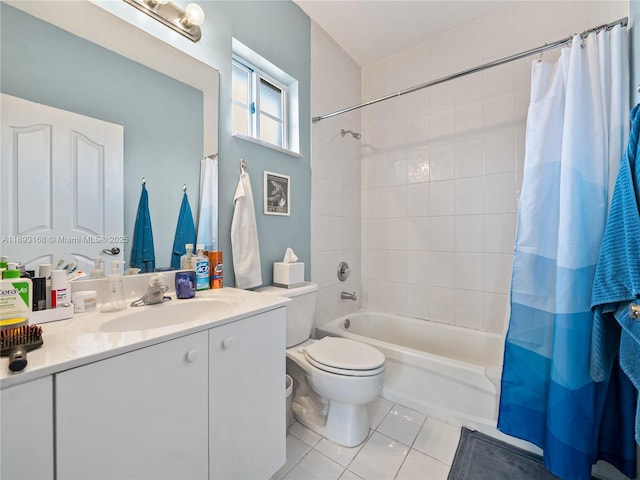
(616, 336)
(142, 253)
(185, 232)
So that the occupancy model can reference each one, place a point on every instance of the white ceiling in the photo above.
(370, 30)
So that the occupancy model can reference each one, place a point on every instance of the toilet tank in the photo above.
(300, 312)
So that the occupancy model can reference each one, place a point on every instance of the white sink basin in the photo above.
(172, 313)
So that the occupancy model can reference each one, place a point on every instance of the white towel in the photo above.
(208, 215)
(244, 237)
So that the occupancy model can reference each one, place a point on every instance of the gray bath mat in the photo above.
(481, 457)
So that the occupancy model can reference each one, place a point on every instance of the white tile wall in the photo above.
(336, 179)
(442, 167)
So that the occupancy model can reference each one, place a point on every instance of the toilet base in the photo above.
(344, 424)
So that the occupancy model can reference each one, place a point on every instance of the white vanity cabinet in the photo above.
(26, 423)
(203, 403)
(141, 415)
(247, 397)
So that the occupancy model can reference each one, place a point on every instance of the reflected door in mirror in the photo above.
(61, 186)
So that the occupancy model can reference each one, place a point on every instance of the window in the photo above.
(258, 104)
(264, 101)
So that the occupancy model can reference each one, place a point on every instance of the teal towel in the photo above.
(185, 233)
(142, 253)
(617, 280)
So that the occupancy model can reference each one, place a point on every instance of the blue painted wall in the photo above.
(280, 32)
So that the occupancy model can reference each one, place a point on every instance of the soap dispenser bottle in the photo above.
(113, 298)
(97, 268)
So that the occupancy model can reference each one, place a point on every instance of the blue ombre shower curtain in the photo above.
(576, 128)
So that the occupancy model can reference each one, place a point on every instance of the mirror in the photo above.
(103, 67)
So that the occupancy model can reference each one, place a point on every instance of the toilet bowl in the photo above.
(334, 378)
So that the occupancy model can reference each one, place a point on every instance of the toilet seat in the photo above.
(342, 356)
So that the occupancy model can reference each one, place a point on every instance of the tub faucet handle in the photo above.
(343, 271)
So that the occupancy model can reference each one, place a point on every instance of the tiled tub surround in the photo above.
(335, 187)
(442, 167)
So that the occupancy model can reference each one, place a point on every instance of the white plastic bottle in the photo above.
(60, 291)
(188, 260)
(113, 298)
(202, 268)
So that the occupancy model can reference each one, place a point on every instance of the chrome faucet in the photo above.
(348, 296)
(154, 294)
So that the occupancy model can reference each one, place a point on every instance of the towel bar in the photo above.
(634, 311)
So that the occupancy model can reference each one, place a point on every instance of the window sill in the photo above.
(247, 138)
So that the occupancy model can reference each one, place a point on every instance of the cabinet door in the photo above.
(139, 415)
(247, 392)
(26, 423)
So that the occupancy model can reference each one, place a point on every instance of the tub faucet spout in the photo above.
(348, 296)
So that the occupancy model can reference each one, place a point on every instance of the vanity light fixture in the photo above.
(186, 22)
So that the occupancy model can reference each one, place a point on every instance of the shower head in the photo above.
(355, 135)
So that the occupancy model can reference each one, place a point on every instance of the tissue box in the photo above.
(288, 274)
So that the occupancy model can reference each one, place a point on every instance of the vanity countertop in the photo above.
(93, 336)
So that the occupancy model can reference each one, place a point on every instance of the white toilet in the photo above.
(334, 378)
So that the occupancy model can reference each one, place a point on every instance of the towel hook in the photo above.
(144, 181)
(184, 187)
(634, 311)
(243, 166)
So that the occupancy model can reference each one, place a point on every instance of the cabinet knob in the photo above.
(192, 355)
(227, 343)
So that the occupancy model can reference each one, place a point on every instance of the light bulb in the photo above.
(193, 15)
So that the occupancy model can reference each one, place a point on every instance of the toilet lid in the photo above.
(344, 354)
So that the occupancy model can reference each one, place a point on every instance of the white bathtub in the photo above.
(437, 369)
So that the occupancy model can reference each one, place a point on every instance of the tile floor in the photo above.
(403, 445)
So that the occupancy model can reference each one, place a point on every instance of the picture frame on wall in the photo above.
(277, 194)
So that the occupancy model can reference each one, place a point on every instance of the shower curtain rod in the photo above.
(495, 63)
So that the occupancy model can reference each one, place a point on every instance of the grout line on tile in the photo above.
(296, 464)
(332, 460)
